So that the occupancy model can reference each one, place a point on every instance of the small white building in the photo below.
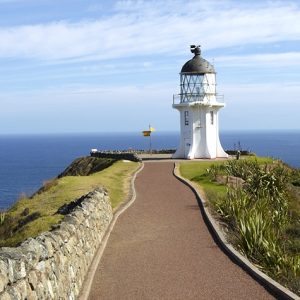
(198, 106)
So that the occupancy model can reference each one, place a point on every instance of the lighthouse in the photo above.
(198, 107)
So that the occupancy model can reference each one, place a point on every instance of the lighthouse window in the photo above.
(212, 118)
(186, 118)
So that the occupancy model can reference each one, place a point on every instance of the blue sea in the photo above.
(26, 161)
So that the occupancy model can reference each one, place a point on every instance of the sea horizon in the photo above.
(139, 131)
(27, 160)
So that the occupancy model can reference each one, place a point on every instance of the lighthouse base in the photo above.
(199, 131)
(184, 153)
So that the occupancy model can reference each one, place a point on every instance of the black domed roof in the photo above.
(197, 65)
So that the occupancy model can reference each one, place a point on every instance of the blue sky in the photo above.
(90, 66)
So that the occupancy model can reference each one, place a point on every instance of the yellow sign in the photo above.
(146, 132)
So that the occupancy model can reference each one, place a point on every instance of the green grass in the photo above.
(197, 172)
(116, 179)
(260, 159)
(193, 169)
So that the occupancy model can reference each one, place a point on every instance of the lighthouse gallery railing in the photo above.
(193, 97)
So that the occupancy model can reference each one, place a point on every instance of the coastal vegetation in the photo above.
(32, 215)
(257, 200)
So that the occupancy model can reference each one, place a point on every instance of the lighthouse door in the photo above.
(187, 145)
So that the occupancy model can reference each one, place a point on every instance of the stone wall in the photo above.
(116, 155)
(54, 264)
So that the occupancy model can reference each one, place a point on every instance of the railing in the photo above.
(220, 98)
(193, 97)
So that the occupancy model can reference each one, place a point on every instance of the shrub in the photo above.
(22, 222)
(6, 228)
(233, 205)
(48, 184)
(258, 239)
(295, 177)
(214, 170)
(258, 215)
(2, 217)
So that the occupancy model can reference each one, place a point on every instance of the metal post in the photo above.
(150, 146)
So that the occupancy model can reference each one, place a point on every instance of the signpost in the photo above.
(147, 133)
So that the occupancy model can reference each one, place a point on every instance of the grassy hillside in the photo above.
(31, 216)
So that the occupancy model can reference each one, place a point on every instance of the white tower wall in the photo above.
(198, 108)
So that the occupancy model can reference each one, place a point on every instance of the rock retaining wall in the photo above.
(54, 264)
(116, 155)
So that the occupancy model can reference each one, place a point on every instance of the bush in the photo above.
(85, 166)
(241, 168)
(2, 217)
(258, 216)
(6, 228)
(214, 170)
(232, 206)
(295, 177)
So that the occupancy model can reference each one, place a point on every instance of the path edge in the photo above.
(87, 284)
(276, 288)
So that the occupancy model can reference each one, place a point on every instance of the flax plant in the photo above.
(261, 213)
(258, 214)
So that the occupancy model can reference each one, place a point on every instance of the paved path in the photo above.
(160, 248)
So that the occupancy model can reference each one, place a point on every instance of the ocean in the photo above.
(26, 161)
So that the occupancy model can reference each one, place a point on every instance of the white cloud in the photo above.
(287, 59)
(129, 108)
(89, 108)
(271, 95)
(145, 28)
(261, 106)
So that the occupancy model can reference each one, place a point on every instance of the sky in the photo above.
(104, 66)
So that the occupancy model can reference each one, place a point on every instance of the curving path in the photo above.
(160, 248)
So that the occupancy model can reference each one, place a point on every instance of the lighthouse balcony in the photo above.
(205, 99)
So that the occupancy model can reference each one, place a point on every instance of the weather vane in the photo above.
(196, 49)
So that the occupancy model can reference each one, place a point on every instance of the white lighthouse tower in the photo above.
(198, 107)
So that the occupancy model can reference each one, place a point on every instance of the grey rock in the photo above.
(32, 250)
(3, 275)
(21, 289)
(32, 280)
(5, 296)
(14, 293)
